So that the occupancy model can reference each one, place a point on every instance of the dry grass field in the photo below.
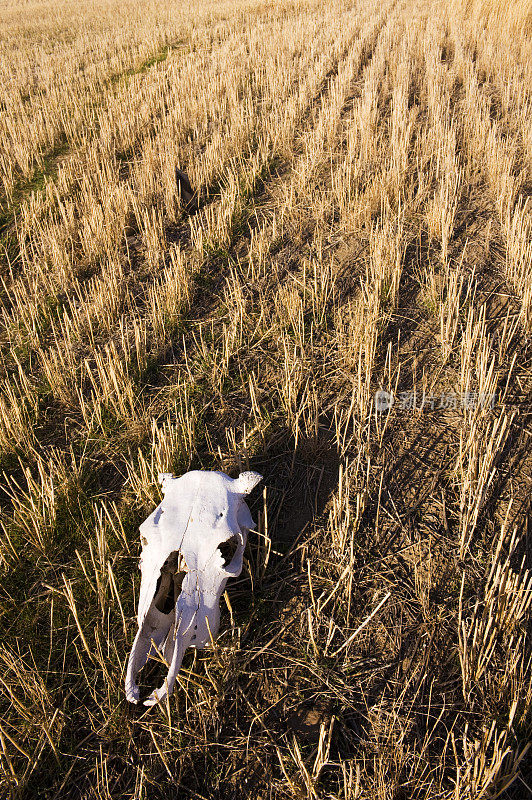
(363, 222)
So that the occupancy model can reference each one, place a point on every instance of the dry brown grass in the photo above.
(363, 222)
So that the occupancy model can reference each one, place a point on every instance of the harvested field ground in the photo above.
(362, 224)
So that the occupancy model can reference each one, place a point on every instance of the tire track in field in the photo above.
(64, 148)
(60, 150)
(63, 143)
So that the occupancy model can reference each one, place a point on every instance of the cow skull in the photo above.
(191, 544)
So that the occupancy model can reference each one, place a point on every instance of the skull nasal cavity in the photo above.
(169, 583)
(228, 549)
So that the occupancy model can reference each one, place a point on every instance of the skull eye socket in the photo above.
(228, 550)
(169, 583)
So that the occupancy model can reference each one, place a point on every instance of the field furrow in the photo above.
(343, 306)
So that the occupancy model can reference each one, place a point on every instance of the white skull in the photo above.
(191, 544)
